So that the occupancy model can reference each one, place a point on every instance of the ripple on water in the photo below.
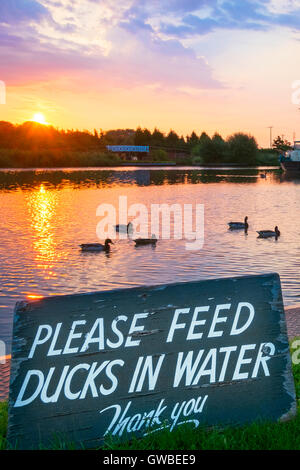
(46, 215)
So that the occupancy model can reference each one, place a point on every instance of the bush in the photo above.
(14, 158)
(159, 155)
(266, 157)
(242, 148)
(197, 160)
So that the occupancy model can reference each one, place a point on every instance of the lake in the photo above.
(46, 214)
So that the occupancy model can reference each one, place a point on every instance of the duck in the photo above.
(239, 225)
(124, 228)
(97, 246)
(269, 233)
(145, 241)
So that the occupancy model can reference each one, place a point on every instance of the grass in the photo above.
(3, 424)
(256, 436)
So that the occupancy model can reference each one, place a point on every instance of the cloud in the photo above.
(199, 17)
(93, 41)
(16, 11)
(124, 44)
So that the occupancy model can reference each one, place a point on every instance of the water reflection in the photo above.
(41, 205)
(14, 180)
(46, 215)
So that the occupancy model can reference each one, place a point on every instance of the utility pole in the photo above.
(271, 139)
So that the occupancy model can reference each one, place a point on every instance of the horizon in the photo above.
(100, 130)
(218, 67)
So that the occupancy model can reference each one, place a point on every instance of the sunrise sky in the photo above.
(213, 65)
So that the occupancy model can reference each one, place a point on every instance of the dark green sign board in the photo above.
(133, 361)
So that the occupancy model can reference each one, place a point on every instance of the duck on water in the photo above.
(145, 241)
(122, 228)
(239, 225)
(269, 233)
(97, 246)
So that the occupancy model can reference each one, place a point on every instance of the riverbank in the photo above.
(133, 164)
(59, 158)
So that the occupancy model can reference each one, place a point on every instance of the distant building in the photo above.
(128, 148)
(129, 152)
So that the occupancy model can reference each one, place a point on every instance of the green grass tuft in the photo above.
(3, 424)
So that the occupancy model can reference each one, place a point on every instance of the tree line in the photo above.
(31, 144)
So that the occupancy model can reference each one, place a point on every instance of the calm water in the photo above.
(46, 214)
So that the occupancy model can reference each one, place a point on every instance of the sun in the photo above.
(40, 118)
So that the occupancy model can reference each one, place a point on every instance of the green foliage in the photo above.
(15, 158)
(242, 148)
(184, 160)
(201, 148)
(3, 424)
(117, 137)
(142, 136)
(266, 157)
(281, 145)
(172, 140)
(157, 138)
(159, 155)
(211, 151)
(192, 140)
(220, 149)
(35, 145)
(197, 160)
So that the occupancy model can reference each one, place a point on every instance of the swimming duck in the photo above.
(146, 241)
(269, 233)
(124, 228)
(239, 225)
(97, 246)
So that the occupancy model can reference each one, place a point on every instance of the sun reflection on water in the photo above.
(42, 207)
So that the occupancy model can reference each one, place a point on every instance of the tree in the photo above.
(142, 136)
(7, 134)
(203, 149)
(204, 138)
(242, 148)
(139, 136)
(172, 139)
(192, 140)
(157, 138)
(182, 143)
(219, 149)
(281, 145)
(120, 137)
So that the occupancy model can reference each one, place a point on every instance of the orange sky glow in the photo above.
(203, 66)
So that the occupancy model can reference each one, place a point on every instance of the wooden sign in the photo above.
(133, 361)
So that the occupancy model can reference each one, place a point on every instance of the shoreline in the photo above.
(142, 164)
